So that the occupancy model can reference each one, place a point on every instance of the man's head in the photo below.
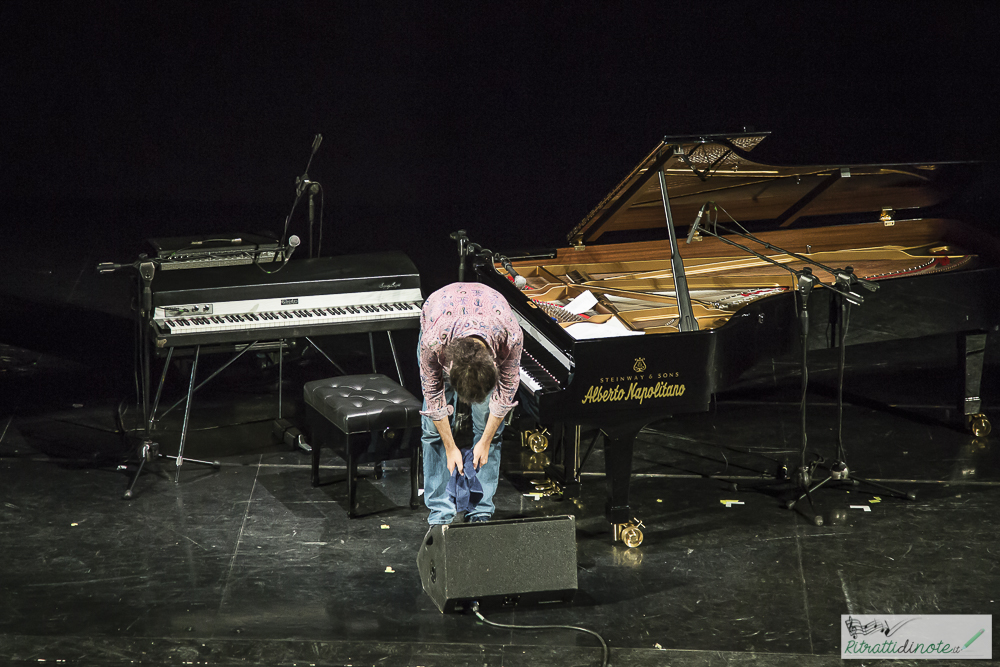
(473, 372)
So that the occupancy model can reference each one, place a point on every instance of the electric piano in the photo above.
(309, 297)
(637, 359)
(250, 304)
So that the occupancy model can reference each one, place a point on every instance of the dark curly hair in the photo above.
(473, 372)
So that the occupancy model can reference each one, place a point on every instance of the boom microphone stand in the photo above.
(302, 183)
(149, 450)
(805, 282)
(839, 473)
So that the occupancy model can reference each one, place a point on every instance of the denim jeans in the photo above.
(436, 473)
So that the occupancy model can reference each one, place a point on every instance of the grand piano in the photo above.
(677, 320)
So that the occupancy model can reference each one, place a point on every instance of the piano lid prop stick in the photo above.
(687, 319)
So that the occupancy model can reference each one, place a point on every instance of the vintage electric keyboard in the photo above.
(310, 297)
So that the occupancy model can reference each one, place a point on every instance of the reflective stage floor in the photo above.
(251, 565)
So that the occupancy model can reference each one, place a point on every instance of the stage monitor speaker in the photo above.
(499, 563)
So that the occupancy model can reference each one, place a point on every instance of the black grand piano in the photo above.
(677, 321)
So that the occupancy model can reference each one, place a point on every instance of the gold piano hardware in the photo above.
(535, 440)
(886, 217)
(980, 425)
(546, 489)
(629, 533)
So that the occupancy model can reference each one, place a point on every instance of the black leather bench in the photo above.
(365, 419)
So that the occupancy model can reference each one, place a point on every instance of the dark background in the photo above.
(127, 120)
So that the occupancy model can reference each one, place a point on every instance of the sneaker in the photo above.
(479, 518)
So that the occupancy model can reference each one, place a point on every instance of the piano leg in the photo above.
(971, 353)
(618, 445)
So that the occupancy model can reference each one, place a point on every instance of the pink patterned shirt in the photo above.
(469, 309)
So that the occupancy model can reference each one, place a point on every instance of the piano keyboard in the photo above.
(534, 376)
(311, 297)
(276, 319)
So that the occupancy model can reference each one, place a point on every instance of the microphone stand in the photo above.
(839, 474)
(149, 450)
(838, 471)
(463, 251)
(805, 282)
(313, 189)
(301, 183)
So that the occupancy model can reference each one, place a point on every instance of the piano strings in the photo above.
(641, 293)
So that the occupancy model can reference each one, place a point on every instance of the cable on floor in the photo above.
(474, 608)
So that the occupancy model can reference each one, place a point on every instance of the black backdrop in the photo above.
(512, 120)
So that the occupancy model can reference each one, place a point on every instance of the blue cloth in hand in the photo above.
(465, 490)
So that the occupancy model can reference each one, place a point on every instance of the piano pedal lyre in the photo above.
(630, 533)
(546, 488)
(537, 440)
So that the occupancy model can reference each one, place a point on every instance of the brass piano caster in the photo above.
(979, 424)
(629, 533)
(536, 441)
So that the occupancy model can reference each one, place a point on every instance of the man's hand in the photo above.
(481, 453)
(454, 455)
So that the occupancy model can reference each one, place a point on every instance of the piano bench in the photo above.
(365, 419)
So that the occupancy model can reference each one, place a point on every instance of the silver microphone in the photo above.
(293, 243)
(519, 280)
(697, 221)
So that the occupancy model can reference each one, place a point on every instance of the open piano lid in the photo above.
(715, 167)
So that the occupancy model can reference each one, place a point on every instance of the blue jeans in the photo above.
(436, 473)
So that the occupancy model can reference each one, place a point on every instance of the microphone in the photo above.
(316, 142)
(146, 270)
(293, 243)
(111, 267)
(697, 221)
(519, 280)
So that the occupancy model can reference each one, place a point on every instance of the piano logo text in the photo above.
(289, 302)
(640, 365)
(634, 392)
(390, 285)
(644, 376)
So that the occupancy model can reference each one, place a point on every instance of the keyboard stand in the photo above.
(150, 450)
